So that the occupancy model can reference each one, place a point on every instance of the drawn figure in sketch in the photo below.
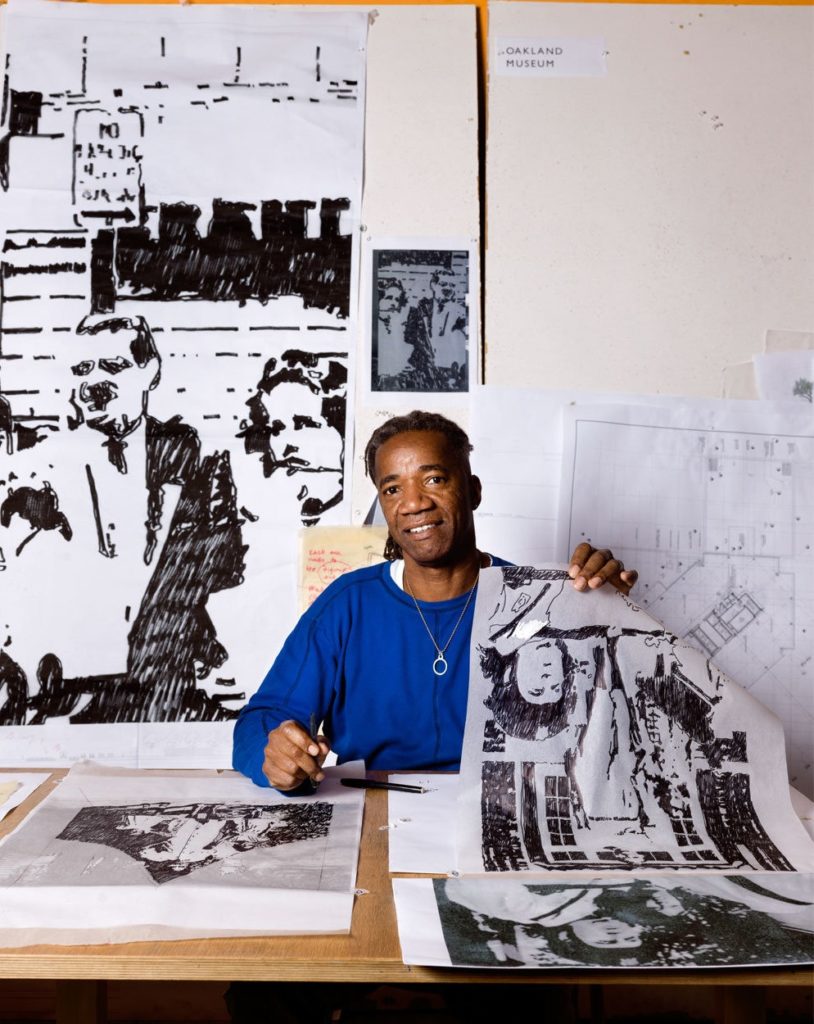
(437, 331)
(296, 423)
(610, 923)
(640, 753)
(120, 367)
(392, 353)
(173, 644)
(39, 507)
(173, 840)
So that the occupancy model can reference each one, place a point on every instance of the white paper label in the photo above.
(549, 58)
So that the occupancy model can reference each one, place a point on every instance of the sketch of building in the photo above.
(718, 521)
(594, 740)
(724, 622)
(180, 248)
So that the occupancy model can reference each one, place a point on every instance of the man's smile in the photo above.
(424, 528)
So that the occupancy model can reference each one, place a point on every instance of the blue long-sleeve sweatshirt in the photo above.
(360, 660)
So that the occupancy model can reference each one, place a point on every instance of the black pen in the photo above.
(373, 784)
(313, 727)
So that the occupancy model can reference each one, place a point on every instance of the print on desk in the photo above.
(172, 841)
(599, 739)
(420, 322)
(675, 921)
(176, 323)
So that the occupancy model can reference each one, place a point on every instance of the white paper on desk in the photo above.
(786, 376)
(16, 786)
(667, 921)
(597, 740)
(713, 503)
(204, 852)
(421, 826)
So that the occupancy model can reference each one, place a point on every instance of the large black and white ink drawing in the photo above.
(420, 321)
(174, 840)
(664, 921)
(595, 739)
(176, 326)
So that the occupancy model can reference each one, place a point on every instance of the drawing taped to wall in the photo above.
(176, 326)
(595, 739)
(420, 326)
(667, 921)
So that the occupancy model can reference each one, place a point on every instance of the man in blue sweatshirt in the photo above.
(382, 656)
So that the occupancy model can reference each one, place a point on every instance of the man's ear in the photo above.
(475, 490)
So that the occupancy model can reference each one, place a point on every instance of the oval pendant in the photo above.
(439, 666)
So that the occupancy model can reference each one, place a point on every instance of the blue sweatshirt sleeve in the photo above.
(301, 683)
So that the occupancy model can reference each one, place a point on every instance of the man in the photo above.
(296, 423)
(437, 330)
(382, 656)
(153, 531)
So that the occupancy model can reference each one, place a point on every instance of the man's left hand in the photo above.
(591, 568)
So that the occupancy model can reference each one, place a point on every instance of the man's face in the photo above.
(608, 933)
(301, 441)
(443, 286)
(390, 300)
(539, 672)
(109, 386)
(427, 494)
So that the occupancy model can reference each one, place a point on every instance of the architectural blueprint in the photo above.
(180, 193)
(714, 505)
(122, 848)
(596, 739)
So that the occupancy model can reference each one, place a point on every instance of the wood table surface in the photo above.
(371, 952)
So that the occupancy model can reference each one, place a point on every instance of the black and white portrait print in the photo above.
(420, 334)
(175, 840)
(176, 323)
(676, 921)
(596, 739)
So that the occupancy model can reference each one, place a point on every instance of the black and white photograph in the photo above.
(670, 921)
(421, 337)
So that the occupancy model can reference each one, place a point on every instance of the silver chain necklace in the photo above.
(439, 665)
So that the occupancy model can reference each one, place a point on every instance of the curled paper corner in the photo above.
(372, 15)
(360, 892)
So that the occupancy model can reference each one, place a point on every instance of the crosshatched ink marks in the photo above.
(229, 262)
(174, 840)
(420, 320)
(296, 425)
(39, 507)
(598, 741)
(501, 840)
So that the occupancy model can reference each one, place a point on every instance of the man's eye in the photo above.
(115, 365)
(436, 480)
(390, 490)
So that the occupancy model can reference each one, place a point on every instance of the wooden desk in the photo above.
(371, 953)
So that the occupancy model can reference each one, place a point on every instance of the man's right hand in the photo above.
(292, 756)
